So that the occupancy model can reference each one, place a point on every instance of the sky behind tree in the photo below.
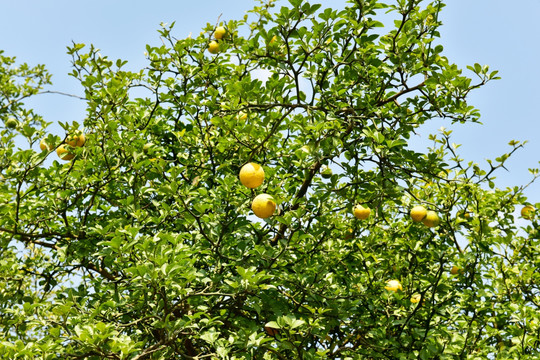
(490, 32)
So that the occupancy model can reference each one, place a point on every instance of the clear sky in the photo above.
(499, 33)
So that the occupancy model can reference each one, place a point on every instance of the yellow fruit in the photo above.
(44, 146)
(455, 269)
(361, 212)
(11, 123)
(431, 219)
(213, 47)
(63, 153)
(220, 32)
(242, 116)
(263, 206)
(77, 139)
(416, 298)
(418, 213)
(464, 215)
(393, 285)
(527, 211)
(251, 175)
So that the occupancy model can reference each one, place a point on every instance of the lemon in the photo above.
(63, 153)
(220, 32)
(326, 172)
(455, 269)
(431, 219)
(242, 116)
(393, 285)
(213, 47)
(44, 146)
(416, 298)
(263, 206)
(251, 175)
(11, 123)
(418, 213)
(527, 211)
(361, 212)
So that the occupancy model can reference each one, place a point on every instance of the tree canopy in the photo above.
(131, 236)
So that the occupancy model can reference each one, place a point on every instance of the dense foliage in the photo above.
(144, 245)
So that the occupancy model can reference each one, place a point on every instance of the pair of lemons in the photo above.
(219, 33)
(252, 176)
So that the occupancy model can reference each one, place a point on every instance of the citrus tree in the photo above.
(253, 194)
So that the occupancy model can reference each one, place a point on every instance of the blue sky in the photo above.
(493, 32)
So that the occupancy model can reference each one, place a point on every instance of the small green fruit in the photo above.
(326, 172)
(11, 123)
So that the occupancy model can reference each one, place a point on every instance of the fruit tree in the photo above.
(141, 242)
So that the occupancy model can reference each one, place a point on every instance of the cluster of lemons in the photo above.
(219, 34)
(63, 150)
(430, 219)
(419, 214)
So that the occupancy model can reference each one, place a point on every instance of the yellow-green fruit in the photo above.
(11, 123)
(63, 153)
(251, 175)
(418, 213)
(242, 116)
(326, 172)
(220, 32)
(44, 146)
(213, 47)
(361, 212)
(263, 206)
(393, 285)
(416, 298)
(77, 139)
(455, 269)
(464, 214)
(527, 211)
(431, 219)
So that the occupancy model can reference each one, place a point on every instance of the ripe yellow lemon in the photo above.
(361, 212)
(455, 269)
(44, 146)
(242, 116)
(220, 32)
(527, 211)
(251, 175)
(263, 206)
(77, 139)
(393, 285)
(418, 213)
(431, 219)
(416, 298)
(213, 47)
(63, 153)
